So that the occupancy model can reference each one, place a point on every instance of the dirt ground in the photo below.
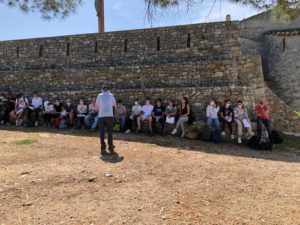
(58, 178)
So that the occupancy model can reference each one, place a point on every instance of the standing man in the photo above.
(106, 102)
(262, 113)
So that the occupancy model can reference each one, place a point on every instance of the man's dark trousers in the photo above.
(106, 122)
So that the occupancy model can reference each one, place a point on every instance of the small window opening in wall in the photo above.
(283, 45)
(188, 41)
(158, 43)
(96, 46)
(18, 52)
(41, 51)
(125, 45)
(68, 49)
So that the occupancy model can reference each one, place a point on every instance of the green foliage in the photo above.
(24, 142)
(298, 113)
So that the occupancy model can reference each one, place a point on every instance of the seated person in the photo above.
(48, 113)
(120, 114)
(57, 110)
(91, 120)
(212, 111)
(135, 113)
(158, 115)
(35, 107)
(171, 112)
(21, 105)
(185, 112)
(81, 113)
(71, 109)
(146, 115)
(242, 120)
(63, 118)
(227, 116)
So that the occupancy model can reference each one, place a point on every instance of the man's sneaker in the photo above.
(174, 131)
(223, 133)
(239, 140)
(36, 123)
(232, 137)
(127, 131)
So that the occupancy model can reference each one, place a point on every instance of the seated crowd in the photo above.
(61, 115)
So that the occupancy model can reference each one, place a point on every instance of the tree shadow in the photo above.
(287, 152)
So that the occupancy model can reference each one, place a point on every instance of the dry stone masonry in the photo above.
(199, 61)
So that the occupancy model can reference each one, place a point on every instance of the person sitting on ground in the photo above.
(48, 113)
(71, 109)
(185, 111)
(21, 105)
(242, 120)
(262, 113)
(81, 113)
(63, 118)
(227, 117)
(35, 107)
(212, 115)
(120, 114)
(158, 115)
(135, 113)
(91, 120)
(145, 116)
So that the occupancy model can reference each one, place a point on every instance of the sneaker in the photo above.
(36, 123)
(128, 131)
(174, 131)
(2, 122)
(232, 137)
(183, 134)
(223, 133)
(239, 140)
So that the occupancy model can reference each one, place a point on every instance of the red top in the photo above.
(262, 112)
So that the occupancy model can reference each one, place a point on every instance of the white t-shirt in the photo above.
(37, 102)
(106, 101)
(147, 109)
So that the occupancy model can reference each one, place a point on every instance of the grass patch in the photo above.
(24, 142)
(290, 142)
(298, 113)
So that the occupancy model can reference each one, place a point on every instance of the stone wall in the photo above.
(201, 61)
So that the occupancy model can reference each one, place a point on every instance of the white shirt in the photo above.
(106, 101)
(37, 102)
(212, 112)
(136, 110)
(147, 109)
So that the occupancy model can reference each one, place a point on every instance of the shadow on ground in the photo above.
(289, 151)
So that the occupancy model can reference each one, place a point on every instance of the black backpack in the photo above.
(28, 123)
(254, 143)
(205, 134)
(277, 137)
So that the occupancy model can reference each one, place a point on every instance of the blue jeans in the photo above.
(122, 121)
(267, 124)
(91, 121)
(216, 121)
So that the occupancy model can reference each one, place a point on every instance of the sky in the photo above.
(119, 15)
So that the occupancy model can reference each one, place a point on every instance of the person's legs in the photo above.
(209, 123)
(183, 121)
(87, 120)
(163, 123)
(259, 128)
(37, 113)
(239, 128)
(268, 126)
(217, 124)
(230, 125)
(95, 122)
(223, 123)
(138, 121)
(102, 135)
(150, 124)
(110, 125)
(122, 123)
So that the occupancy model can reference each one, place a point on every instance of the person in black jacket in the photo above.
(227, 117)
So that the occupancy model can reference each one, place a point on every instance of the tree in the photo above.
(287, 9)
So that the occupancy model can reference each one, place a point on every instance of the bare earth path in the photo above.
(59, 179)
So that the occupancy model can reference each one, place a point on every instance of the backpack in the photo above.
(216, 137)
(28, 123)
(277, 137)
(265, 146)
(205, 134)
(253, 142)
